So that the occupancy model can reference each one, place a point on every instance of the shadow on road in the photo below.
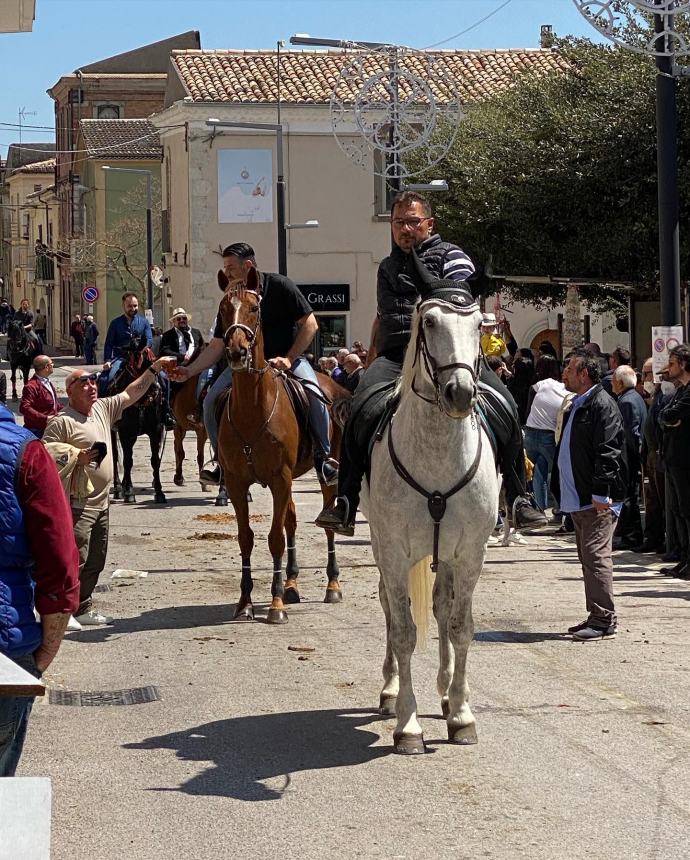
(658, 592)
(516, 637)
(170, 618)
(246, 751)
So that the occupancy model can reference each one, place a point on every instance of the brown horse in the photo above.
(259, 441)
(183, 406)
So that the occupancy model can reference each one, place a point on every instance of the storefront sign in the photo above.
(327, 297)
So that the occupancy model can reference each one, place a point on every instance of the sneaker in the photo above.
(210, 476)
(93, 618)
(577, 627)
(337, 518)
(73, 626)
(527, 517)
(327, 470)
(493, 540)
(587, 634)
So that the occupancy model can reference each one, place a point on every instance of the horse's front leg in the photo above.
(334, 593)
(291, 568)
(276, 543)
(200, 445)
(127, 463)
(461, 723)
(244, 611)
(13, 380)
(155, 442)
(443, 603)
(391, 679)
(178, 437)
(117, 485)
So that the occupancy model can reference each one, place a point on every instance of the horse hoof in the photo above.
(277, 616)
(221, 502)
(333, 594)
(445, 708)
(387, 705)
(244, 614)
(408, 744)
(464, 735)
(291, 595)
(160, 498)
(178, 480)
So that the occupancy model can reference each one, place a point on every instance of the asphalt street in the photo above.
(265, 741)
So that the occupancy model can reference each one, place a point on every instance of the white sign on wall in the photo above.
(664, 338)
(245, 186)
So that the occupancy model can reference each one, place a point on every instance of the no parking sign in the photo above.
(664, 339)
(90, 294)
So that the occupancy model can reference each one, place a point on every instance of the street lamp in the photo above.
(149, 228)
(283, 227)
(624, 23)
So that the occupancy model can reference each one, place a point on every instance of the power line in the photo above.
(471, 27)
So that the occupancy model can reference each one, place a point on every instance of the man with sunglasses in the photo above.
(397, 294)
(86, 423)
(39, 397)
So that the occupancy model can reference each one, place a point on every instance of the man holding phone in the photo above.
(86, 424)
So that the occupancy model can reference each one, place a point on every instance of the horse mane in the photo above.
(407, 375)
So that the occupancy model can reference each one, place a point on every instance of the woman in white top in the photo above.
(545, 400)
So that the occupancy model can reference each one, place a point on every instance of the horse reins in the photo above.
(436, 500)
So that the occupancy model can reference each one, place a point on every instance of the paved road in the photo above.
(255, 750)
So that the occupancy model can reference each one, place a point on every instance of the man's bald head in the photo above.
(42, 365)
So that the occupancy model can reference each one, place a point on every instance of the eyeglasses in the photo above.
(83, 381)
(412, 223)
(180, 319)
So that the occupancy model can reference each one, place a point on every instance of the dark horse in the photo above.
(144, 418)
(260, 441)
(22, 348)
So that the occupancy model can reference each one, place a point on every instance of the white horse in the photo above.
(434, 459)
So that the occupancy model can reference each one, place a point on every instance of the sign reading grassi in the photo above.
(326, 297)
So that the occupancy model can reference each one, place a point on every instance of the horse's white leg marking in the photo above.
(391, 678)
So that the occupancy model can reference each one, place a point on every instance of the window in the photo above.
(40, 233)
(38, 187)
(107, 111)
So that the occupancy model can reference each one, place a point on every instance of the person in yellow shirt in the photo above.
(492, 342)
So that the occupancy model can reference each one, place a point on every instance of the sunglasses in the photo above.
(92, 379)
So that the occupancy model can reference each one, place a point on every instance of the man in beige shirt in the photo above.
(86, 424)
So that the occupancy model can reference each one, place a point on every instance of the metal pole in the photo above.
(394, 134)
(280, 203)
(149, 246)
(667, 172)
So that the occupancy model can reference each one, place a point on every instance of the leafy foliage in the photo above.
(557, 176)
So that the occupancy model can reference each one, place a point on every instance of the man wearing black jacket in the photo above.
(675, 423)
(590, 472)
(181, 341)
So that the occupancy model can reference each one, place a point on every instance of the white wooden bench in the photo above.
(25, 818)
(15, 681)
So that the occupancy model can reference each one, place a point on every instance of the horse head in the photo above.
(240, 313)
(135, 354)
(16, 332)
(443, 366)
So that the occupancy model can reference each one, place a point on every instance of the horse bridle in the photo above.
(431, 366)
(251, 334)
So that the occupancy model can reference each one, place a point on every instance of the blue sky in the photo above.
(71, 33)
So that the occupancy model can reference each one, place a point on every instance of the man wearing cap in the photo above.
(181, 341)
(86, 423)
(39, 397)
(121, 331)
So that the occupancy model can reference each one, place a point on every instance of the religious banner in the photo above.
(245, 186)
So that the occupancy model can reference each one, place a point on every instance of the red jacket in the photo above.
(37, 405)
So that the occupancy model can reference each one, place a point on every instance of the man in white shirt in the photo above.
(181, 341)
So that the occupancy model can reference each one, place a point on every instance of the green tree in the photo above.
(557, 176)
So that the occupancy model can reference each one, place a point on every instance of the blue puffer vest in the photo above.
(19, 632)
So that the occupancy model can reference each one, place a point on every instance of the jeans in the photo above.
(14, 718)
(318, 413)
(89, 352)
(540, 446)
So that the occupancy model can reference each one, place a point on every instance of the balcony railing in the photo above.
(45, 268)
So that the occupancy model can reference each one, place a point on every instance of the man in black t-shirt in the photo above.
(288, 325)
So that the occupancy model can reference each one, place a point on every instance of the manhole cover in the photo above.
(133, 696)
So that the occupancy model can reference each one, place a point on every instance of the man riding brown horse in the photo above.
(289, 326)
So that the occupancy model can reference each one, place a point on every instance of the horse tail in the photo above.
(420, 582)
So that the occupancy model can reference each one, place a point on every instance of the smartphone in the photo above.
(102, 449)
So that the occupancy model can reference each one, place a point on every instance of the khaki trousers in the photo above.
(594, 535)
(91, 536)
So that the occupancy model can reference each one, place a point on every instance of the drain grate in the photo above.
(77, 698)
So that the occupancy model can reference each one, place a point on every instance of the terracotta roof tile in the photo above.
(308, 77)
(37, 167)
(120, 138)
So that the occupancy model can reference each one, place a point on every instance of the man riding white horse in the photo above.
(412, 226)
(121, 331)
(289, 326)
